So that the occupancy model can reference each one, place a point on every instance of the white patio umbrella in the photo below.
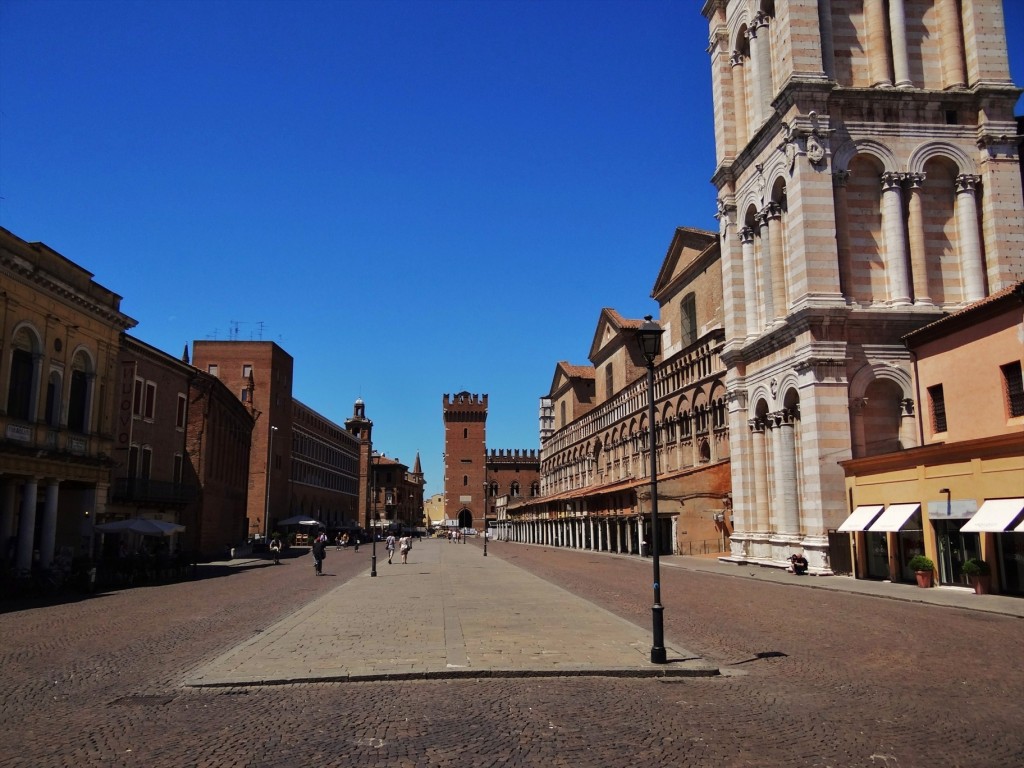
(299, 520)
(142, 526)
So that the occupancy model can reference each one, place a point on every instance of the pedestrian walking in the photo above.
(389, 545)
(404, 545)
(275, 549)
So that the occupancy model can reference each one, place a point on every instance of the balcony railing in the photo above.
(137, 490)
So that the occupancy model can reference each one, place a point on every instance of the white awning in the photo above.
(894, 517)
(861, 518)
(994, 516)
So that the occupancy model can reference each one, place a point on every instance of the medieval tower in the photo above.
(465, 454)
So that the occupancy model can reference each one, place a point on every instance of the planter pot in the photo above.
(924, 578)
(981, 582)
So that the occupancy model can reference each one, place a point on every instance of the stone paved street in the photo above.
(810, 677)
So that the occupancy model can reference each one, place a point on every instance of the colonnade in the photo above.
(889, 70)
(24, 537)
(908, 284)
(623, 535)
(776, 467)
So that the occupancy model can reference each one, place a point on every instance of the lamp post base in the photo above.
(373, 564)
(658, 653)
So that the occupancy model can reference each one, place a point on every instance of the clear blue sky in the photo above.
(411, 198)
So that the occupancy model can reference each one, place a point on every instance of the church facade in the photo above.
(868, 184)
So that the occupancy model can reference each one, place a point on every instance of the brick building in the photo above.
(397, 494)
(301, 462)
(868, 183)
(149, 477)
(218, 443)
(471, 476)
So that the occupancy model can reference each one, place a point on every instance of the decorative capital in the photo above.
(966, 182)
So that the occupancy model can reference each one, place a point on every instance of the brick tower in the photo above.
(465, 456)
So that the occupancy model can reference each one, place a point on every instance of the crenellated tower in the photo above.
(465, 454)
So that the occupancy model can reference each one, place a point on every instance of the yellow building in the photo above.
(960, 495)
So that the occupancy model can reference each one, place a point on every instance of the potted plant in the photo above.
(977, 572)
(923, 569)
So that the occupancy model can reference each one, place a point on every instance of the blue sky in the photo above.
(411, 198)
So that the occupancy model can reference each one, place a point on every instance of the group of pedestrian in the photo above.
(404, 545)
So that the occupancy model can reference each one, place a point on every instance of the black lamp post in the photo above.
(374, 459)
(649, 338)
(485, 519)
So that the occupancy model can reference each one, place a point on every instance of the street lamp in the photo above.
(485, 519)
(266, 505)
(648, 336)
(375, 460)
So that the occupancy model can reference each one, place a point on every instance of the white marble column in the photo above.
(969, 238)
(739, 100)
(780, 298)
(898, 36)
(895, 239)
(764, 67)
(787, 514)
(759, 447)
(878, 49)
(766, 292)
(841, 208)
(915, 235)
(750, 302)
(952, 38)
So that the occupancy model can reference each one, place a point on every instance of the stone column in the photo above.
(765, 295)
(750, 302)
(828, 56)
(895, 239)
(908, 424)
(969, 237)
(857, 438)
(739, 98)
(48, 534)
(915, 232)
(787, 515)
(841, 206)
(953, 75)
(780, 300)
(898, 35)
(764, 66)
(27, 524)
(759, 447)
(8, 492)
(878, 50)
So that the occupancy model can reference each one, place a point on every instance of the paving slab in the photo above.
(449, 612)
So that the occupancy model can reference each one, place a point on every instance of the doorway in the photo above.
(955, 548)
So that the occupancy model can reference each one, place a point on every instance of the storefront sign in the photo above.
(957, 509)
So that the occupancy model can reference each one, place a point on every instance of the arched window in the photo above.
(688, 320)
(20, 400)
(465, 479)
(78, 396)
(514, 489)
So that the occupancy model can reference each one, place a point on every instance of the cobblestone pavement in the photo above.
(812, 678)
